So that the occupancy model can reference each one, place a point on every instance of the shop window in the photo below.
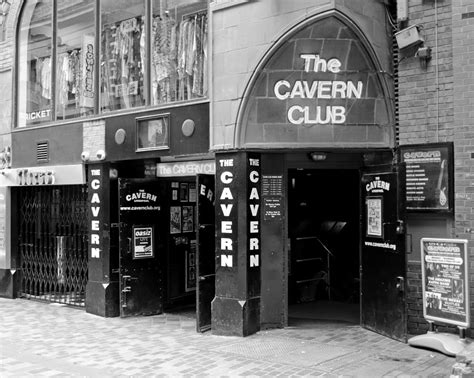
(75, 49)
(34, 63)
(123, 59)
(179, 44)
(139, 63)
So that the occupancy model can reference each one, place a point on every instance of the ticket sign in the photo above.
(142, 242)
(445, 281)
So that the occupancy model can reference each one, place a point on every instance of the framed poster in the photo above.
(143, 242)
(192, 192)
(188, 218)
(152, 132)
(374, 217)
(183, 192)
(429, 177)
(175, 219)
(445, 281)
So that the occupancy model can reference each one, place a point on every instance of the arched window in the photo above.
(140, 62)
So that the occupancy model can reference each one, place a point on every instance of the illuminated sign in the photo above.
(187, 168)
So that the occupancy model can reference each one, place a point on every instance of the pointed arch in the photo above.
(320, 85)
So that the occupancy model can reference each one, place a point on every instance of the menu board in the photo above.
(445, 281)
(272, 185)
(429, 176)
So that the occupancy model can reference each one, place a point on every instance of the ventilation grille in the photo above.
(42, 152)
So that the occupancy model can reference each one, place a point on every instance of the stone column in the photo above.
(236, 306)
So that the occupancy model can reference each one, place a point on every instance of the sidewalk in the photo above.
(45, 340)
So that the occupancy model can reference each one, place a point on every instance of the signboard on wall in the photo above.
(319, 87)
(429, 177)
(142, 242)
(445, 281)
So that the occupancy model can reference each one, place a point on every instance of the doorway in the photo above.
(324, 257)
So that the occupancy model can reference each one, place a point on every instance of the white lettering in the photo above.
(95, 184)
(226, 227)
(254, 194)
(226, 177)
(226, 209)
(254, 176)
(226, 261)
(254, 209)
(254, 227)
(226, 244)
(254, 260)
(253, 244)
(226, 194)
(95, 225)
(95, 211)
(95, 252)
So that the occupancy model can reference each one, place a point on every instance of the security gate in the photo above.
(52, 242)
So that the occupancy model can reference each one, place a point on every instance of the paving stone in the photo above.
(38, 339)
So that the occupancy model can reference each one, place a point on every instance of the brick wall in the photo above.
(426, 114)
(463, 51)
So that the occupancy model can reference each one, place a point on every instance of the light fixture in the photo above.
(5, 7)
(318, 156)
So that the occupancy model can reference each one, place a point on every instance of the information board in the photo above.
(445, 281)
(142, 242)
(429, 176)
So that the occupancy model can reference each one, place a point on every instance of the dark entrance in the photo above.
(141, 247)
(383, 263)
(324, 245)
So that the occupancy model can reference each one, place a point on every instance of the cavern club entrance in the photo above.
(166, 260)
(346, 248)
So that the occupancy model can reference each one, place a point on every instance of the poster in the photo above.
(183, 192)
(192, 192)
(272, 208)
(191, 268)
(142, 242)
(374, 217)
(445, 281)
(429, 176)
(188, 219)
(175, 219)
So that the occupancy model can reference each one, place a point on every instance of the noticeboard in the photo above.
(445, 281)
(429, 177)
(142, 242)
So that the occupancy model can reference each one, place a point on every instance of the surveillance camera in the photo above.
(100, 154)
(85, 156)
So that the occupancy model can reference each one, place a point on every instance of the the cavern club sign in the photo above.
(327, 90)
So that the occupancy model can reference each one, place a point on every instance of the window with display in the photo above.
(35, 64)
(123, 57)
(64, 74)
(179, 44)
(75, 64)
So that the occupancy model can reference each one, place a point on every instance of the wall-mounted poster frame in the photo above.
(153, 132)
(374, 208)
(143, 242)
(429, 177)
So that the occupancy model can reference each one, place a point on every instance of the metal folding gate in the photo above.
(52, 241)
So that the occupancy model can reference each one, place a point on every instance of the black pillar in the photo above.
(102, 292)
(236, 306)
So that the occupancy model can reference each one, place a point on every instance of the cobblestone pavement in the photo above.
(47, 340)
